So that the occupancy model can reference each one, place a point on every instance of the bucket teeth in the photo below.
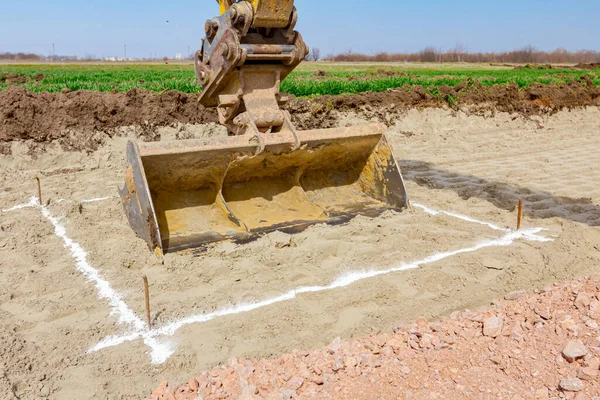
(186, 194)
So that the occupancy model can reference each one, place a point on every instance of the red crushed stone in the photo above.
(521, 358)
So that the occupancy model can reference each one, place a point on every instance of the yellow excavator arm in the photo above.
(266, 175)
(224, 4)
(267, 13)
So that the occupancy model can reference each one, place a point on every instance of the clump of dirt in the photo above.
(585, 79)
(381, 73)
(588, 66)
(535, 66)
(19, 78)
(538, 346)
(13, 78)
(580, 66)
(43, 117)
(319, 73)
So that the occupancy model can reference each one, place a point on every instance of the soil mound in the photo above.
(581, 66)
(13, 78)
(534, 66)
(75, 117)
(534, 100)
(19, 78)
(588, 66)
(43, 117)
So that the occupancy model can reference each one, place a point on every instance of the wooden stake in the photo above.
(520, 214)
(147, 293)
(39, 189)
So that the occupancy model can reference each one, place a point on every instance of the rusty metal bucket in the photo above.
(186, 194)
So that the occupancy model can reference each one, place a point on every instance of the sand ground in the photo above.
(477, 166)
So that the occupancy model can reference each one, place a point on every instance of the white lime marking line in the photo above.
(160, 352)
(459, 216)
(342, 281)
(31, 203)
(119, 308)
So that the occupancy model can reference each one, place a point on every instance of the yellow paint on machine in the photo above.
(267, 13)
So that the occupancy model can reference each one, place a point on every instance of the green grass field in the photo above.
(339, 78)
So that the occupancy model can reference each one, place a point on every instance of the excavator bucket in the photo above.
(266, 175)
(187, 194)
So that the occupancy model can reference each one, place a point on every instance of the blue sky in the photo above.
(103, 27)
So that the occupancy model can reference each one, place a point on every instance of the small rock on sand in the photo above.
(295, 383)
(574, 350)
(350, 362)
(587, 374)
(395, 343)
(493, 327)
(543, 313)
(335, 345)
(582, 301)
(193, 384)
(571, 385)
(338, 364)
(512, 296)
(45, 391)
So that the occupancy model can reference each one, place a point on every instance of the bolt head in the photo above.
(233, 13)
(210, 28)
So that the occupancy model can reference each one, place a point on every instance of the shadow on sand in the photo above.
(536, 203)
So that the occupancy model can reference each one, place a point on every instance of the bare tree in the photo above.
(429, 54)
(457, 54)
(315, 54)
(524, 55)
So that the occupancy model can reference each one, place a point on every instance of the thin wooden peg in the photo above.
(520, 214)
(147, 293)
(39, 189)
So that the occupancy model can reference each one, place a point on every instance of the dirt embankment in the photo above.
(580, 66)
(588, 66)
(44, 117)
(535, 100)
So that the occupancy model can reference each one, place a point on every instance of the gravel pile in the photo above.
(541, 345)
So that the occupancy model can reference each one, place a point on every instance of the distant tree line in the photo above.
(86, 57)
(21, 56)
(34, 57)
(459, 53)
